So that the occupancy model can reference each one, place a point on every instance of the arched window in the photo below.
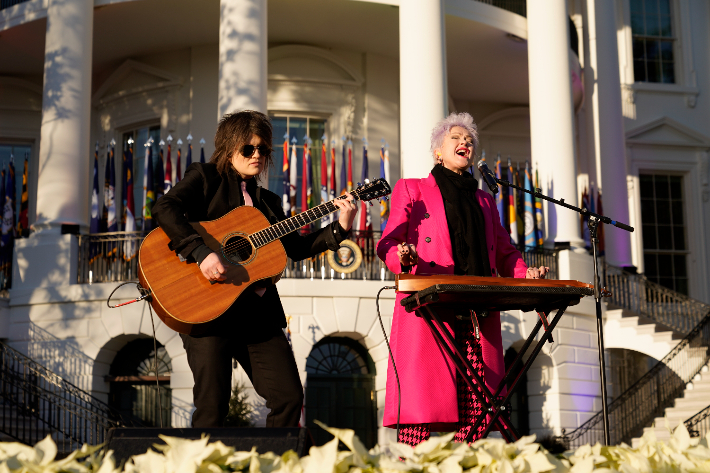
(340, 389)
(133, 388)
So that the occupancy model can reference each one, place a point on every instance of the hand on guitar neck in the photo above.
(214, 269)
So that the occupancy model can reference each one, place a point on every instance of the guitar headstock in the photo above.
(372, 190)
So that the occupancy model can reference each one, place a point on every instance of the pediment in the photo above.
(666, 131)
(310, 64)
(133, 77)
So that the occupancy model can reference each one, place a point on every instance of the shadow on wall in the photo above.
(235, 83)
(61, 356)
(57, 93)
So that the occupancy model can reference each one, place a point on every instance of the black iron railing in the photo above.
(109, 257)
(651, 395)
(112, 257)
(699, 424)
(535, 256)
(37, 402)
(641, 296)
(515, 6)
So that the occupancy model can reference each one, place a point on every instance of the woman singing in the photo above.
(443, 224)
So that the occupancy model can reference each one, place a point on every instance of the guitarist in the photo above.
(250, 331)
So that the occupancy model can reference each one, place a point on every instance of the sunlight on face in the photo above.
(457, 150)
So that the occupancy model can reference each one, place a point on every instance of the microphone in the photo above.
(487, 176)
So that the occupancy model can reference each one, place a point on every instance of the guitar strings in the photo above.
(245, 243)
(242, 244)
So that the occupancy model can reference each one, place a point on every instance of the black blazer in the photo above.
(205, 194)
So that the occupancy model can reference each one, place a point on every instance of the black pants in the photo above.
(268, 361)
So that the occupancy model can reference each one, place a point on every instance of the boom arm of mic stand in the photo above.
(561, 202)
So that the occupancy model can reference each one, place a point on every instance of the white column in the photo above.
(422, 81)
(242, 56)
(609, 127)
(552, 115)
(64, 149)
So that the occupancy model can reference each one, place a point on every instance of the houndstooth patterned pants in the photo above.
(469, 406)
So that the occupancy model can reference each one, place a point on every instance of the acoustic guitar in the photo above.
(248, 244)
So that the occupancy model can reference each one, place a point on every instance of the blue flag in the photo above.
(188, 159)
(8, 216)
(110, 223)
(500, 199)
(148, 223)
(95, 225)
(529, 215)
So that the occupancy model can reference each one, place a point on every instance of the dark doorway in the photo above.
(133, 387)
(340, 390)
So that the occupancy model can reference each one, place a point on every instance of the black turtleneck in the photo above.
(465, 221)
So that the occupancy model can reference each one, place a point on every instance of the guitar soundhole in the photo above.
(237, 249)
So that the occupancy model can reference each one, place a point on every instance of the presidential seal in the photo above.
(347, 259)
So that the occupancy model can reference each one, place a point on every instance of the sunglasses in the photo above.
(248, 150)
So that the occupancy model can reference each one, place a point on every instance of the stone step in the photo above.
(697, 404)
(683, 413)
(696, 393)
(663, 337)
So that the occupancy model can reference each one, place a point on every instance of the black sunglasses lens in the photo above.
(248, 150)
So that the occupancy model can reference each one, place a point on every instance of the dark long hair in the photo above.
(234, 131)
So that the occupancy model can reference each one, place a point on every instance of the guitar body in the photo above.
(180, 294)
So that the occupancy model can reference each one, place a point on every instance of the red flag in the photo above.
(332, 172)
(168, 172)
(178, 171)
(304, 179)
(350, 166)
(22, 222)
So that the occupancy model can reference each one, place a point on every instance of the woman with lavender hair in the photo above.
(444, 224)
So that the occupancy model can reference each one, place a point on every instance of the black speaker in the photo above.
(126, 442)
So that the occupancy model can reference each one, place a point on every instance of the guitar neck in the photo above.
(284, 227)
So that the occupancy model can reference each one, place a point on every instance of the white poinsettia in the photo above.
(437, 455)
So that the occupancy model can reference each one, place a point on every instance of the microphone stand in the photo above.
(592, 224)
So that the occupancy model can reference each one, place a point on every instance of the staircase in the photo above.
(35, 402)
(696, 397)
(647, 303)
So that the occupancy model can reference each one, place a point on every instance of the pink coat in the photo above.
(427, 377)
